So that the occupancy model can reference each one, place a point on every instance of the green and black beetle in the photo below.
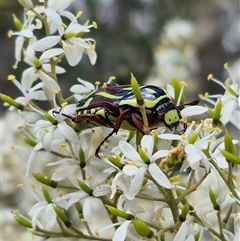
(115, 106)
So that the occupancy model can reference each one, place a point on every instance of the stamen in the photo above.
(230, 73)
(89, 177)
(63, 25)
(210, 77)
(11, 77)
(79, 14)
(95, 25)
(64, 104)
(62, 145)
(10, 33)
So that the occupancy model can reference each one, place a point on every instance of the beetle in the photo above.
(115, 106)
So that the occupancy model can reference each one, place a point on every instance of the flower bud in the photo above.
(46, 195)
(194, 137)
(45, 180)
(210, 112)
(11, 101)
(82, 158)
(143, 155)
(142, 229)
(60, 213)
(37, 63)
(136, 90)
(17, 23)
(184, 213)
(26, 3)
(197, 236)
(79, 208)
(115, 162)
(217, 112)
(130, 135)
(22, 219)
(85, 187)
(50, 118)
(184, 200)
(30, 141)
(119, 213)
(68, 35)
(213, 199)
(231, 157)
(228, 143)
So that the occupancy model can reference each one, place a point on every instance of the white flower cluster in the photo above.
(164, 186)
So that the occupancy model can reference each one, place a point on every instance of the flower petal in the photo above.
(159, 176)
(46, 43)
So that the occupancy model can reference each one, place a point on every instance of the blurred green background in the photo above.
(138, 36)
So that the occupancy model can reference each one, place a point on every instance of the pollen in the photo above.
(227, 81)
(31, 14)
(184, 83)
(33, 186)
(15, 212)
(91, 47)
(68, 46)
(60, 194)
(104, 85)
(210, 76)
(10, 33)
(79, 14)
(95, 25)
(62, 145)
(5, 104)
(132, 163)
(20, 185)
(55, 91)
(184, 118)
(89, 177)
(63, 25)
(183, 137)
(96, 232)
(64, 104)
(11, 77)
(46, 130)
(11, 146)
(225, 66)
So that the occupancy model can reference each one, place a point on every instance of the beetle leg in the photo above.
(137, 121)
(98, 119)
(115, 129)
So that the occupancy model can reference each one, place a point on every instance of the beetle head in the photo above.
(171, 118)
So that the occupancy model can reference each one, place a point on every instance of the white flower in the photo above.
(26, 32)
(26, 3)
(34, 93)
(42, 213)
(72, 45)
(137, 168)
(82, 89)
(58, 7)
(39, 68)
(194, 151)
(230, 99)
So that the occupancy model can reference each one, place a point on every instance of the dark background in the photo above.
(129, 34)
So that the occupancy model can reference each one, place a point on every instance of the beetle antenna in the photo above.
(59, 113)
